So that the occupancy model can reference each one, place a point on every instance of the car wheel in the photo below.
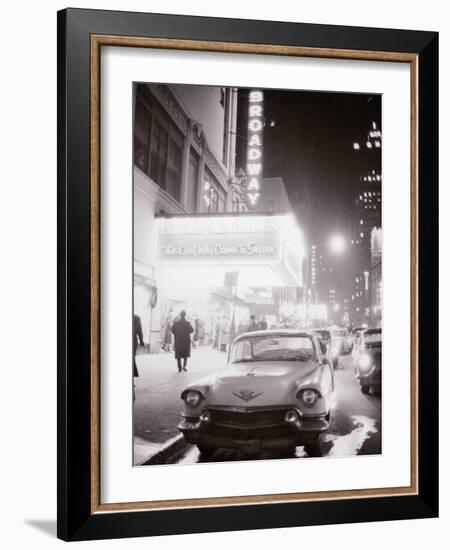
(365, 388)
(206, 451)
(289, 452)
(313, 448)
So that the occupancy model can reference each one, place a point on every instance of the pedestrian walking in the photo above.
(182, 331)
(253, 325)
(224, 334)
(262, 323)
(201, 332)
(216, 333)
(138, 340)
(167, 332)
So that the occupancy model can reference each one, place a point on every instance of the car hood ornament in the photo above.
(247, 395)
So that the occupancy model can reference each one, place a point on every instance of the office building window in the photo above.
(141, 135)
(213, 199)
(158, 144)
(159, 149)
(192, 182)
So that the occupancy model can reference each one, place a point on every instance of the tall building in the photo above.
(376, 276)
(366, 217)
(316, 267)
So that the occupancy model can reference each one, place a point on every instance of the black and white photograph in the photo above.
(257, 274)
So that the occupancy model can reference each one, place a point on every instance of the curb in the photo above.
(168, 453)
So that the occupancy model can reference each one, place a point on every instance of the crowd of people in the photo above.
(180, 333)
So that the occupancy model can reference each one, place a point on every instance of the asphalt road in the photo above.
(157, 407)
(355, 426)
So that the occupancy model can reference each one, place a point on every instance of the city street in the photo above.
(355, 425)
(229, 240)
(159, 385)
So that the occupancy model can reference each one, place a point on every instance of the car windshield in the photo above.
(273, 348)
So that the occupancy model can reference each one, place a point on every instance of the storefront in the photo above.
(213, 265)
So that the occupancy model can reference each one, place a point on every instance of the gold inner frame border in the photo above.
(97, 41)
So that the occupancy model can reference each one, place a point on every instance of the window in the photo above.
(158, 157)
(213, 199)
(158, 144)
(141, 135)
(174, 169)
(192, 182)
(237, 204)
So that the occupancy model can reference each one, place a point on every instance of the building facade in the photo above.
(184, 160)
(376, 276)
(367, 216)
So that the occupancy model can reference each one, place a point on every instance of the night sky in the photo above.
(308, 141)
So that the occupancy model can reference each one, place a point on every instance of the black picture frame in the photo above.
(76, 518)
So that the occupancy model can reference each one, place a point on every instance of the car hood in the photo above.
(258, 384)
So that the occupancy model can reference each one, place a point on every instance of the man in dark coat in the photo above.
(253, 325)
(138, 339)
(262, 324)
(182, 331)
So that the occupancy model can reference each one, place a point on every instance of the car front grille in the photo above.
(248, 425)
(250, 419)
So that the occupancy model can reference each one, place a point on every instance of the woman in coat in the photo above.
(224, 333)
(167, 332)
(182, 331)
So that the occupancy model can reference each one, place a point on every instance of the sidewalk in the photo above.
(158, 405)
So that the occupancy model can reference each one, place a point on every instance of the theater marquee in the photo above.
(230, 241)
(233, 241)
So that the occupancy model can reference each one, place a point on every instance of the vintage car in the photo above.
(367, 359)
(276, 392)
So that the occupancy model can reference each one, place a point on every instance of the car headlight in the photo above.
(365, 361)
(308, 397)
(192, 398)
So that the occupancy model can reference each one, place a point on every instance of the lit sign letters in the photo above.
(254, 147)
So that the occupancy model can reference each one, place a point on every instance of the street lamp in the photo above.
(337, 244)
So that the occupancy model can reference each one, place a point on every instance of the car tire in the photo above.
(206, 451)
(365, 388)
(289, 452)
(313, 448)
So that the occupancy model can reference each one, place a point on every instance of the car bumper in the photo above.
(248, 439)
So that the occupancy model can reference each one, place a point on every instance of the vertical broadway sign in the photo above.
(254, 148)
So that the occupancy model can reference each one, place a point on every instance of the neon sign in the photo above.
(254, 147)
